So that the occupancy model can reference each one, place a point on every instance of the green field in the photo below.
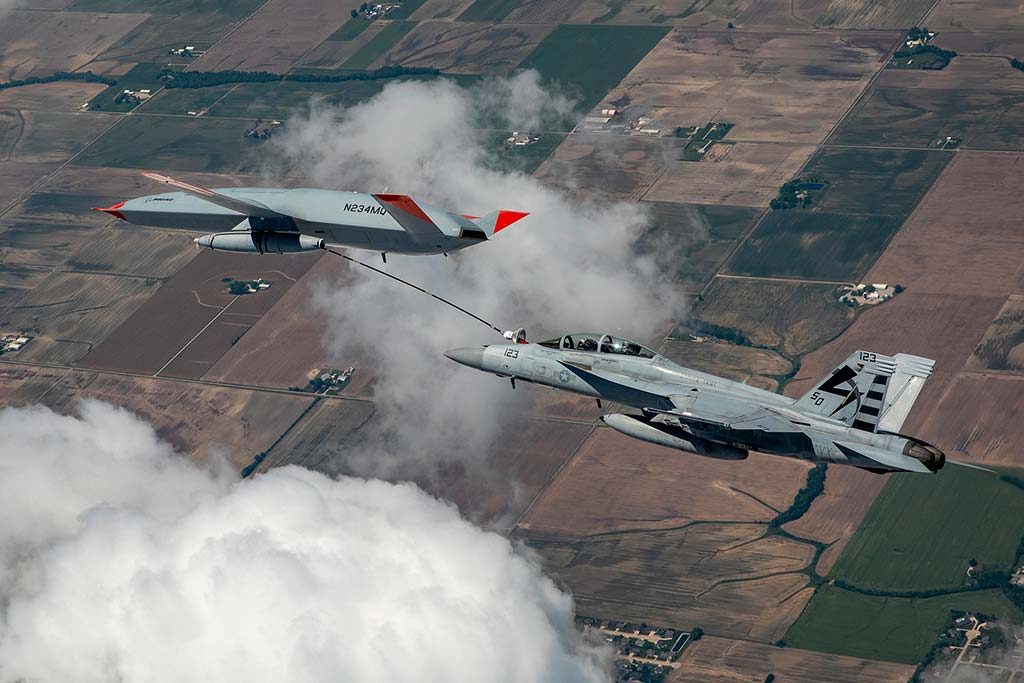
(816, 245)
(175, 144)
(184, 100)
(591, 60)
(893, 629)
(236, 9)
(280, 99)
(791, 317)
(379, 44)
(350, 29)
(489, 10)
(923, 530)
(920, 534)
(875, 181)
(700, 234)
(870, 193)
(406, 9)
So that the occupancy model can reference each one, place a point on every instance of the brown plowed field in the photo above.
(981, 419)
(720, 660)
(777, 87)
(187, 303)
(616, 483)
(276, 36)
(836, 514)
(197, 420)
(729, 578)
(949, 245)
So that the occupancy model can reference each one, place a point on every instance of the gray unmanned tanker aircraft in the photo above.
(271, 220)
(851, 417)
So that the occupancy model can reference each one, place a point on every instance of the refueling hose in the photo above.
(416, 287)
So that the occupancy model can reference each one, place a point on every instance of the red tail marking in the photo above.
(405, 203)
(112, 210)
(507, 218)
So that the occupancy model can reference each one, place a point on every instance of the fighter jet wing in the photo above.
(246, 207)
(410, 216)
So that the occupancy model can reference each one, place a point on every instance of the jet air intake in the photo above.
(260, 242)
(666, 435)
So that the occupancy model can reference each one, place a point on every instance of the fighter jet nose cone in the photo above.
(471, 356)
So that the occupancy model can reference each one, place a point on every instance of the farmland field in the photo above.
(488, 10)
(731, 578)
(758, 367)
(893, 629)
(459, 48)
(791, 317)
(923, 530)
(700, 234)
(979, 419)
(667, 489)
(186, 144)
(1001, 347)
(818, 245)
(379, 45)
(899, 115)
(721, 660)
(235, 9)
(590, 60)
(875, 181)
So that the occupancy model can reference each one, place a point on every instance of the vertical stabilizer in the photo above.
(855, 392)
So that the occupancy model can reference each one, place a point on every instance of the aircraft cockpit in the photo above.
(598, 343)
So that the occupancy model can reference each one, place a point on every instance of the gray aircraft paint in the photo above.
(698, 412)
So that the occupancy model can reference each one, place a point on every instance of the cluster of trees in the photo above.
(943, 57)
(814, 487)
(729, 334)
(209, 79)
(1017, 64)
(936, 648)
(795, 193)
(86, 76)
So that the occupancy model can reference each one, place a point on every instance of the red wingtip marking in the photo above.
(405, 203)
(468, 217)
(507, 218)
(112, 210)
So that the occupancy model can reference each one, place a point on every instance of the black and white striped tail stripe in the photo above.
(866, 418)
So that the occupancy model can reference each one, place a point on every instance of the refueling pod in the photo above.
(260, 242)
(672, 437)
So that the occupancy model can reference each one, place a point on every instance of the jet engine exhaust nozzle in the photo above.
(929, 455)
(260, 242)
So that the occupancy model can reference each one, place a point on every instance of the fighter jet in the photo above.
(851, 417)
(277, 221)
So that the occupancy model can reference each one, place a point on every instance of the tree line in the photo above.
(209, 79)
(86, 76)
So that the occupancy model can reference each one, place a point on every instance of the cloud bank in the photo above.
(122, 561)
(573, 264)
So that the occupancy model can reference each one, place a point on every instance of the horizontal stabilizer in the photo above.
(496, 221)
(904, 388)
(410, 216)
(246, 207)
(883, 459)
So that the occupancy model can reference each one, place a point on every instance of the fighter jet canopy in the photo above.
(598, 343)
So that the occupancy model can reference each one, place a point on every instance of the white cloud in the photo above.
(120, 560)
(571, 265)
